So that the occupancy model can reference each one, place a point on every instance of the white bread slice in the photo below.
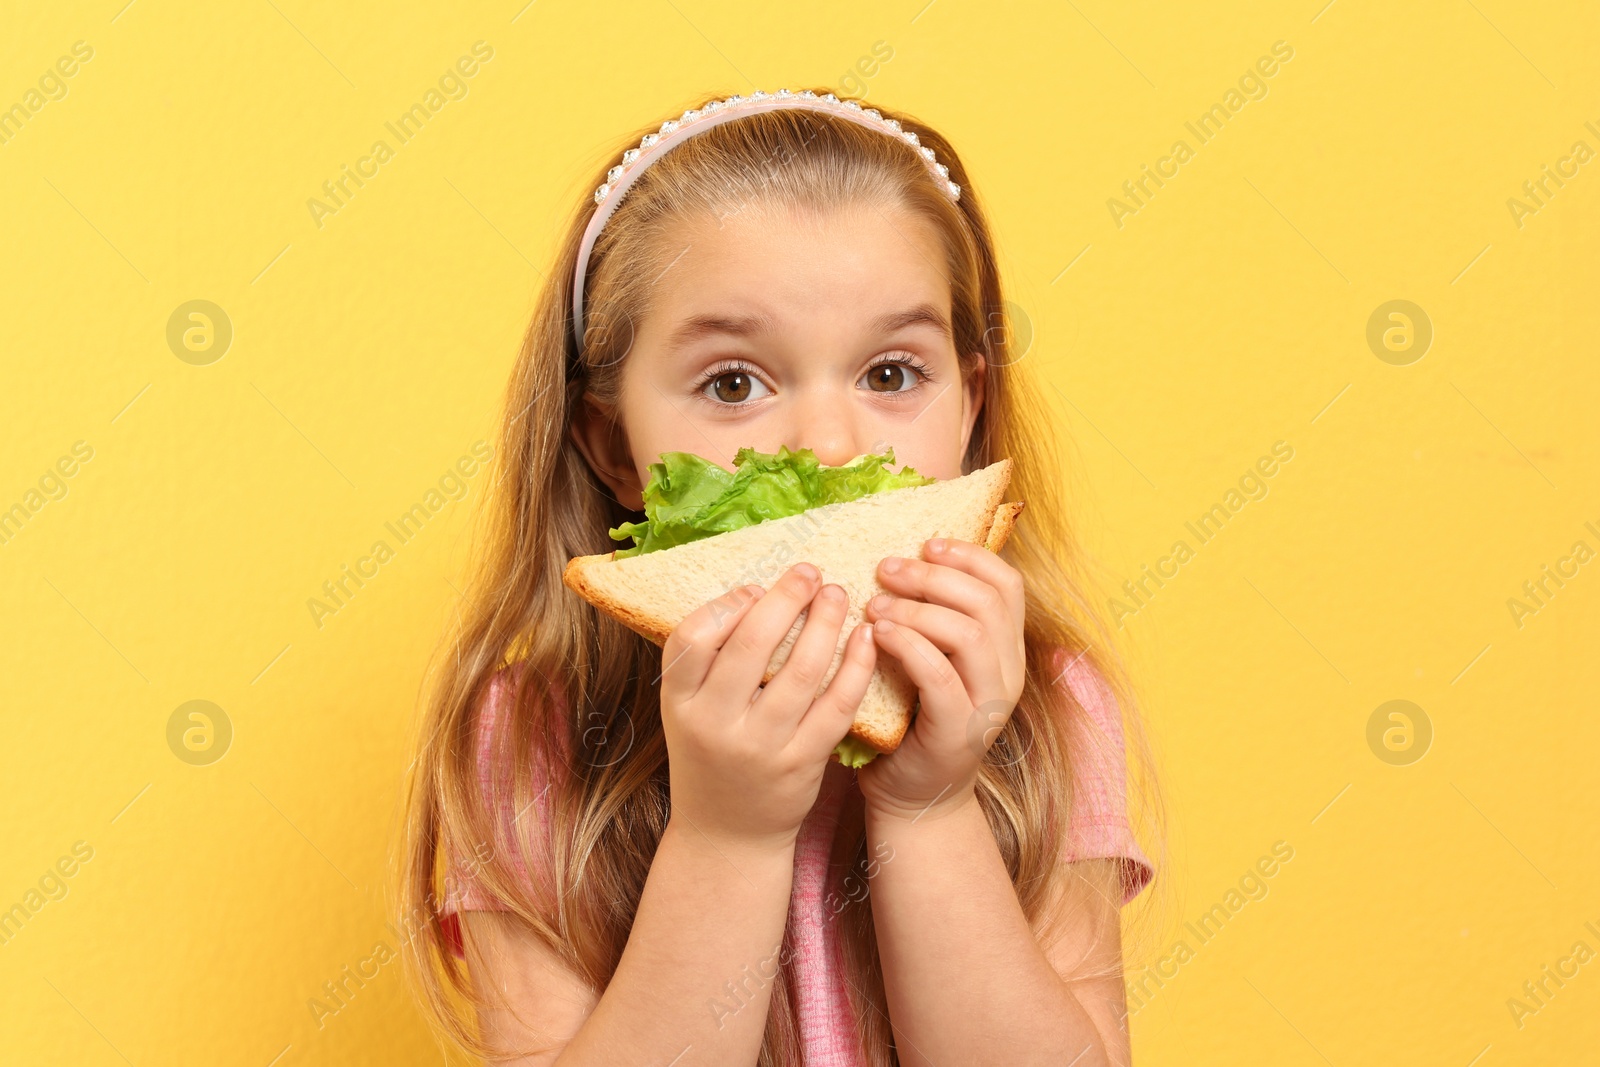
(653, 592)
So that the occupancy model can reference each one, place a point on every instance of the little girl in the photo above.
(648, 856)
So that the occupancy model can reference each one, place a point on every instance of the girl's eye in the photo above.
(734, 383)
(733, 386)
(896, 375)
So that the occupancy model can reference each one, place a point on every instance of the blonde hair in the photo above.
(607, 813)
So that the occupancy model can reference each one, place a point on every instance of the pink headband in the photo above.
(674, 132)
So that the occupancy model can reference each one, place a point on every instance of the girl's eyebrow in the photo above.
(920, 315)
(697, 327)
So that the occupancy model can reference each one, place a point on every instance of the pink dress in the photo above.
(1098, 829)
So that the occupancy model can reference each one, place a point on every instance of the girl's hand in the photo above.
(746, 761)
(955, 624)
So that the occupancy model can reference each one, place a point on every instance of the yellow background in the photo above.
(1229, 313)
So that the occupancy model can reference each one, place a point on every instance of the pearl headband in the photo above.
(675, 131)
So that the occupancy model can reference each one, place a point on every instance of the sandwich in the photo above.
(708, 530)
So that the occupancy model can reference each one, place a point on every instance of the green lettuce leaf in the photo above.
(853, 752)
(688, 498)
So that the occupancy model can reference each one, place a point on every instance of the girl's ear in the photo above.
(975, 387)
(604, 443)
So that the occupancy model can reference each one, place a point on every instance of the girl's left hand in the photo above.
(955, 623)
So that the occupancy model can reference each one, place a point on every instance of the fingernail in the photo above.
(883, 626)
(892, 564)
(936, 545)
(832, 593)
(756, 591)
(807, 571)
(878, 603)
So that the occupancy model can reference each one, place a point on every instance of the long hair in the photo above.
(588, 683)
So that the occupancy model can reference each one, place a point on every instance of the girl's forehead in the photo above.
(860, 260)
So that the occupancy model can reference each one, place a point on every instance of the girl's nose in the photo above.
(825, 424)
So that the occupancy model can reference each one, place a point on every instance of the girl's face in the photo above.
(822, 331)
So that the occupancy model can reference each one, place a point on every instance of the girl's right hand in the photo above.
(746, 761)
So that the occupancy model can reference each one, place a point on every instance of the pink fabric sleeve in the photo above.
(462, 889)
(1099, 825)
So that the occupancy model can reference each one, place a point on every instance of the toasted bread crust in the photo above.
(575, 576)
(1005, 520)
